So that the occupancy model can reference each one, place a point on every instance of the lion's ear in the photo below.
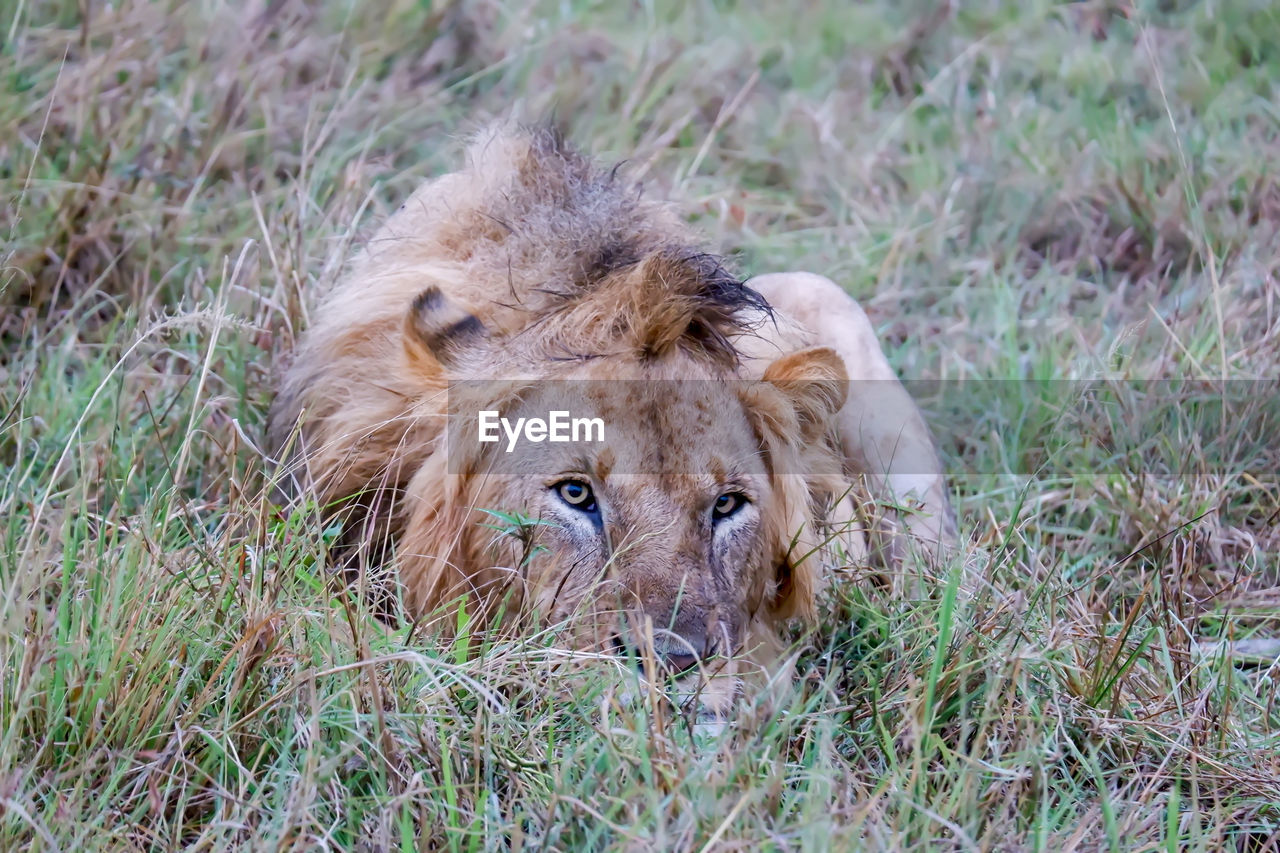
(437, 333)
(815, 382)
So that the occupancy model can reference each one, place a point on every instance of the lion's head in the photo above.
(685, 527)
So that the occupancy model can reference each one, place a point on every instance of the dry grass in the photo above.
(1017, 191)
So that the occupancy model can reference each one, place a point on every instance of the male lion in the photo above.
(531, 281)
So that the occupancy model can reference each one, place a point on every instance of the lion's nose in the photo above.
(676, 663)
(674, 653)
(680, 652)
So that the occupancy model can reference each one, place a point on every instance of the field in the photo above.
(1027, 197)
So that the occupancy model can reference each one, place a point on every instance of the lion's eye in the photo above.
(727, 504)
(576, 494)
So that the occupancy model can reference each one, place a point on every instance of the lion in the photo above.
(748, 426)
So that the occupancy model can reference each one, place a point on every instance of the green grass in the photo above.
(1016, 191)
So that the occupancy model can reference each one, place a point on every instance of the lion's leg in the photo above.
(882, 431)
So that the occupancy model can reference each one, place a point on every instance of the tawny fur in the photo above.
(532, 264)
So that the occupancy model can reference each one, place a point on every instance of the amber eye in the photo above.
(576, 494)
(727, 504)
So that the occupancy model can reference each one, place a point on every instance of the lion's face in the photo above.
(680, 534)
(665, 519)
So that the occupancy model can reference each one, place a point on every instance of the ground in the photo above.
(1037, 204)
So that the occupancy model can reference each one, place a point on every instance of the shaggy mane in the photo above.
(583, 250)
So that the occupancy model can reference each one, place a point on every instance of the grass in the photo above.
(1026, 192)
